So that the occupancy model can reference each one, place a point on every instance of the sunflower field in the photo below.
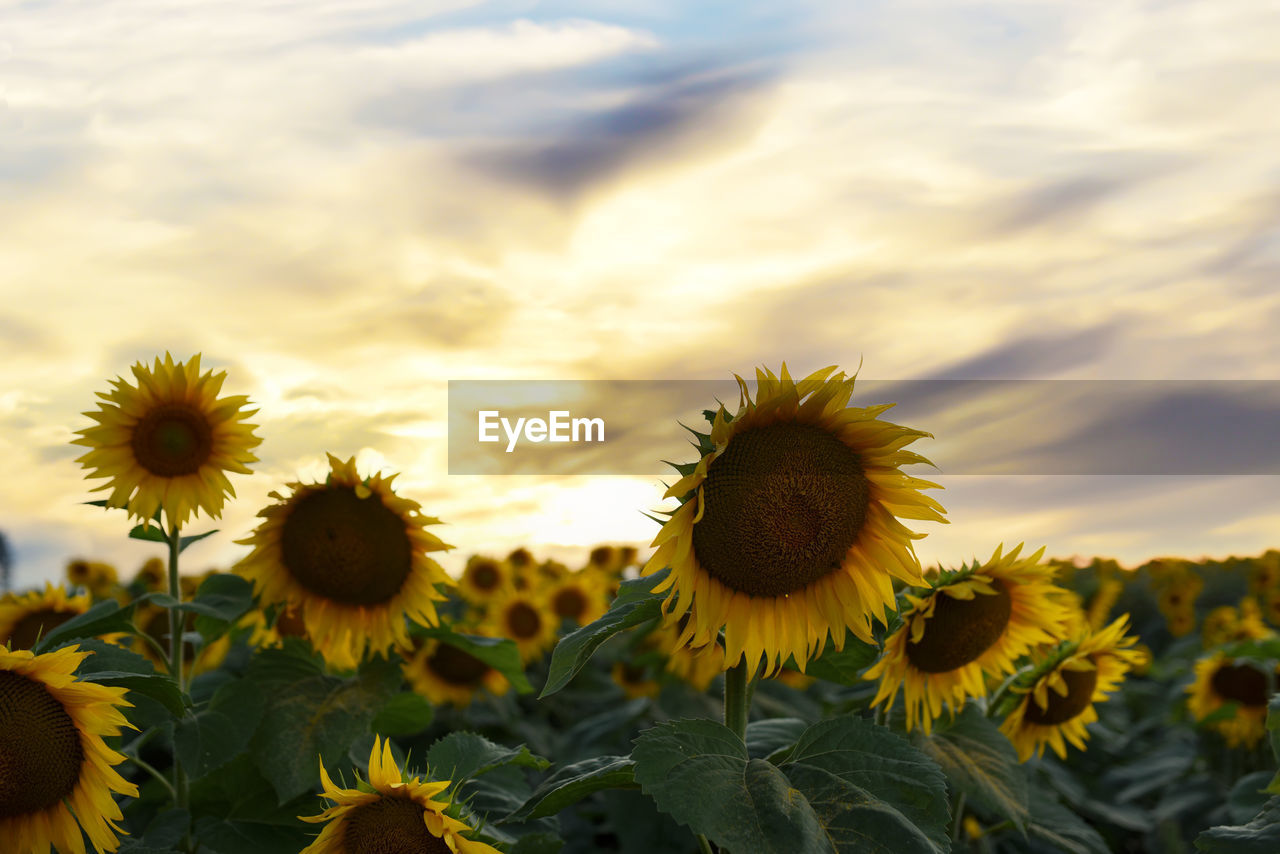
(778, 674)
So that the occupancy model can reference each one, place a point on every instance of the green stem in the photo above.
(703, 845)
(957, 817)
(737, 698)
(150, 769)
(175, 654)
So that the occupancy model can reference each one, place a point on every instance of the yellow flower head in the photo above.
(26, 618)
(399, 815)
(445, 674)
(168, 442)
(788, 531)
(484, 579)
(56, 773)
(1221, 680)
(525, 618)
(351, 556)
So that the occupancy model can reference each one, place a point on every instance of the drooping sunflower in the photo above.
(351, 555)
(55, 770)
(976, 621)
(1060, 693)
(788, 527)
(526, 619)
(168, 442)
(445, 674)
(400, 816)
(484, 579)
(26, 618)
(1221, 680)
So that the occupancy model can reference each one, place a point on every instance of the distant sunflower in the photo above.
(526, 619)
(522, 567)
(26, 618)
(1264, 574)
(95, 575)
(975, 621)
(352, 556)
(400, 816)
(168, 441)
(787, 531)
(1182, 622)
(484, 579)
(154, 621)
(153, 575)
(635, 680)
(445, 674)
(55, 770)
(1061, 692)
(1271, 608)
(1221, 680)
(578, 597)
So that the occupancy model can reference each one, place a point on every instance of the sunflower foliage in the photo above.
(778, 675)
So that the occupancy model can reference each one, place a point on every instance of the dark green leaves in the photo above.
(104, 618)
(843, 666)
(846, 786)
(113, 665)
(634, 606)
(572, 783)
(404, 714)
(1260, 836)
(213, 736)
(460, 756)
(978, 760)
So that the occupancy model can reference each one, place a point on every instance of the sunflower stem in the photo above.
(703, 845)
(737, 698)
(957, 817)
(150, 769)
(179, 787)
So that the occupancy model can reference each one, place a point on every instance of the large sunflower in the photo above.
(55, 770)
(787, 530)
(975, 622)
(398, 817)
(1221, 680)
(168, 441)
(1061, 691)
(445, 674)
(351, 555)
(27, 618)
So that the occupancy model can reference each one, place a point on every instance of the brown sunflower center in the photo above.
(960, 630)
(1240, 682)
(349, 549)
(784, 504)
(632, 674)
(524, 621)
(390, 825)
(1080, 685)
(520, 558)
(601, 556)
(172, 439)
(78, 572)
(290, 623)
(40, 752)
(569, 603)
(484, 575)
(35, 625)
(455, 666)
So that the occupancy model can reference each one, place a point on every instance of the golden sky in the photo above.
(347, 204)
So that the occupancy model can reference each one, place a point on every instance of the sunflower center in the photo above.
(390, 825)
(484, 576)
(960, 630)
(632, 674)
(40, 752)
(36, 625)
(349, 549)
(524, 620)
(172, 439)
(290, 623)
(784, 504)
(569, 603)
(1080, 685)
(520, 558)
(455, 666)
(1241, 683)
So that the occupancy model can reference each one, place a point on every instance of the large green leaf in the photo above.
(218, 836)
(846, 786)
(772, 735)
(1260, 836)
(213, 736)
(459, 756)
(844, 666)
(1273, 727)
(404, 714)
(1059, 826)
(501, 654)
(979, 761)
(104, 618)
(571, 783)
(634, 606)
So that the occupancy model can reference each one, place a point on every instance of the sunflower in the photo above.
(976, 621)
(635, 680)
(1060, 693)
(1271, 607)
(578, 597)
(787, 530)
(484, 579)
(351, 555)
(27, 618)
(263, 632)
(1264, 574)
(525, 618)
(167, 442)
(95, 575)
(1226, 624)
(1181, 622)
(56, 775)
(153, 575)
(399, 816)
(1221, 680)
(521, 566)
(697, 666)
(443, 673)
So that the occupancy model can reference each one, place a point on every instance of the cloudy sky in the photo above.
(347, 203)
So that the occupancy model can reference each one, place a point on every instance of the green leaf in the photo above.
(218, 836)
(979, 761)
(844, 666)
(1273, 728)
(214, 736)
(183, 542)
(571, 783)
(501, 654)
(149, 533)
(1057, 825)
(871, 788)
(699, 773)
(538, 843)
(769, 736)
(158, 686)
(104, 618)
(221, 600)
(404, 714)
(1247, 796)
(634, 605)
(1260, 836)
(459, 756)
